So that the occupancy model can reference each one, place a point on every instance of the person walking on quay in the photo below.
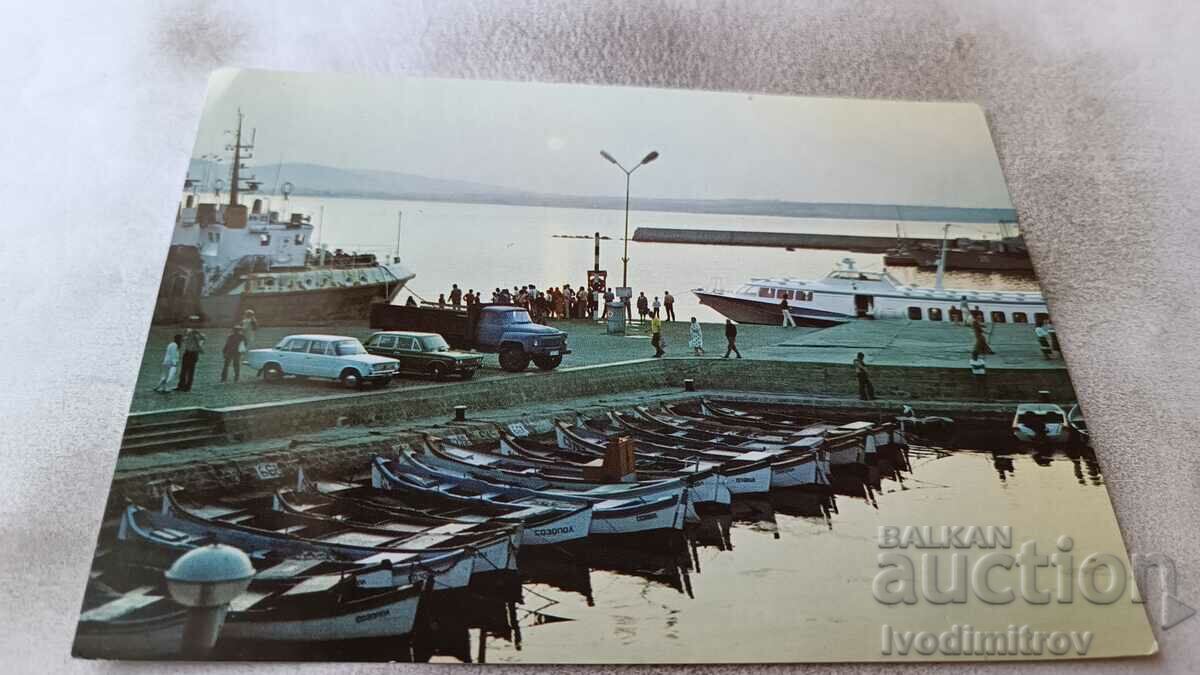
(643, 305)
(455, 296)
(249, 327)
(1043, 338)
(170, 364)
(193, 345)
(866, 390)
(788, 321)
(655, 307)
(981, 343)
(669, 305)
(656, 338)
(235, 346)
(731, 338)
(696, 338)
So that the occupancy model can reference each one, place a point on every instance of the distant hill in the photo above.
(326, 181)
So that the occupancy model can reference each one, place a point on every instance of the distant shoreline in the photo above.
(828, 210)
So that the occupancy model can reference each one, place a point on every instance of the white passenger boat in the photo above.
(848, 293)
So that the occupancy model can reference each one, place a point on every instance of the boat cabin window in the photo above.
(1041, 318)
(914, 313)
(935, 314)
(1020, 317)
(264, 240)
(998, 317)
(766, 292)
(299, 240)
(956, 314)
(783, 293)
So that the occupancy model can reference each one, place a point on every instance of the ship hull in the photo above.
(290, 307)
(749, 311)
(280, 298)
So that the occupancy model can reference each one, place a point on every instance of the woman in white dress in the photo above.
(249, 327)
(696, 338)
(170, 364)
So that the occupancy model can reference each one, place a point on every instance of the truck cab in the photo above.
(510, 332)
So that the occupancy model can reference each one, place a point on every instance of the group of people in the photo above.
(653, 310)
(183, 354)
(554, 303)
(559, 302)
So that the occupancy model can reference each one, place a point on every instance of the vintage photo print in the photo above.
(491, 372)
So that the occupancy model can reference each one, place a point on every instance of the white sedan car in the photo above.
(333, 357)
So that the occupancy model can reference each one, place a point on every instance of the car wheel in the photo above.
(437, 371)
(350, 379)
(513, 359)
(272, 372)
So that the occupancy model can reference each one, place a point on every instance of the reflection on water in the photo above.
(786, 561)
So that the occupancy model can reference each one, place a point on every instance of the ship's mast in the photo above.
(237, 161)
(236, 178)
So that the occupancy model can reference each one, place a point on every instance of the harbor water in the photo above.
(485, 246)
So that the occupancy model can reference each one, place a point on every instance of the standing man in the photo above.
(235, 346)
(964, 310)
(643, 306)
(654, 308)
(788, 321)
(731, 338)
(170, 364)
(981, 343)
(669, 304)
(455, 296)
(193, 345)
(866, 390)
(656, 336)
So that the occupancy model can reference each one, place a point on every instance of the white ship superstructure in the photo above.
(847, 293)
(226, 258)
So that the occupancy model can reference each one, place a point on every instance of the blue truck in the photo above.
(506, 330)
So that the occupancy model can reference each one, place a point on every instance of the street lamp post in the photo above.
(628, 172)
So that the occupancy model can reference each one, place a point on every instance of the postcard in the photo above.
(491, 372)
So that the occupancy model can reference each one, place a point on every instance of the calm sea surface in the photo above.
(483, 246)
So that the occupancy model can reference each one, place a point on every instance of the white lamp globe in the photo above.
(209, 576)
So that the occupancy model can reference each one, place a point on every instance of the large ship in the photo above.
(847, 293)
(226, 258)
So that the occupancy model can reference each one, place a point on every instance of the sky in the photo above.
(548, 138)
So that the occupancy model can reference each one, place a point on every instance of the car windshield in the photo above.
(434, 343)
(519, 316)
(349, 348)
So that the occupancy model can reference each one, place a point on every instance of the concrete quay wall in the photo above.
(896, 384)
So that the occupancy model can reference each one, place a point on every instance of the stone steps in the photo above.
(172, 429)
